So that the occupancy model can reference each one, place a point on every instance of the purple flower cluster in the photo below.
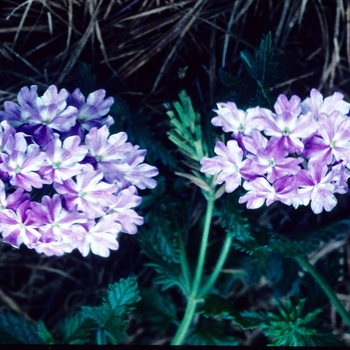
(298, 154)
(60, 143)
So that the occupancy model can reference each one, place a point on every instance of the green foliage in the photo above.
(103, 324)
(186, 130)
(234, 222)
(217, 306)
(186, 133)
(45, 334)
(77, 329)
(157, 308)
(211, 332)
(159, 238)
(113, 314)
(15, 329)
(289, 326)
(262, 67)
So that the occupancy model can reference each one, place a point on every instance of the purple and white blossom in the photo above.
(227, 164)
(65, 182)
(298, 154)
(88, 192)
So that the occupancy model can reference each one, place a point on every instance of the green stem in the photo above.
(186, 322)
(184, 265)
(218, 267)
(192, 300)
(326, 288)
(203, 247)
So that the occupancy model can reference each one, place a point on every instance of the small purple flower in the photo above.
(13, 111)
(49, 113)
(92, 112)
(273, 162)
(13, 200)
(100, 237)
(228, 164)
(332, 140)
(317, 185)
(19, 226)
(63, 160)
(235, 120)
(133, 172)
(109, 151)
(316, 105)
(260, 190)
(23, 163)
(123, 214)
(57, 223)
(287, 126)
(88, 192)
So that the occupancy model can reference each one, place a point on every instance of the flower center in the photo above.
(241, 128)
(285, 132)
(81, 194)
(272, 162)
(17, 169)
(56, 165)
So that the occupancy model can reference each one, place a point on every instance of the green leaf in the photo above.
(262, 68)
(235, 224)
(211, 333)
(15, 329)
(159, 239)
(45, 334)
(217, 306)
(77, 329)
(157, 308)
(112, 315)
(288, 327)
(186, 131)
(293, 247)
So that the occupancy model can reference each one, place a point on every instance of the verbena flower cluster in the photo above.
(297, 154)
(65, 182)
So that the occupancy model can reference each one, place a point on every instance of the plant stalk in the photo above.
(218, 267)
(326, 288)
(193, 300)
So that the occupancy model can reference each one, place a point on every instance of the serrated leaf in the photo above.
(77, 329)
(211, 333)
(293, 247)
(44, 333)
(157, 308)
(112, 315)
(217, 306)
(258, 264)
(235, 224)
(15, 329)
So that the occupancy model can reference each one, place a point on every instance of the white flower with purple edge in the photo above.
(23, 163)
(227, 164)
(100, 237)
(88, 192)
(63, 159)
(19, 226)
